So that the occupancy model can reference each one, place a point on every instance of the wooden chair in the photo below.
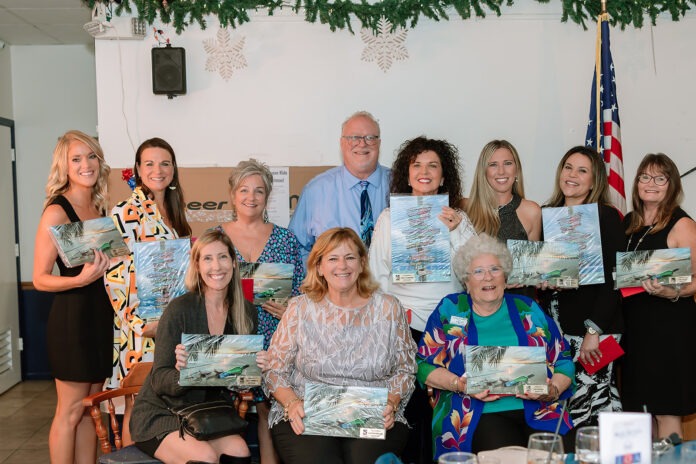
(130, 385)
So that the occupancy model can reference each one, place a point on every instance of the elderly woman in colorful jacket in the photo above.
(486, 315)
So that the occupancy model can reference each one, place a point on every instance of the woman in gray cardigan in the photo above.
(214, 305)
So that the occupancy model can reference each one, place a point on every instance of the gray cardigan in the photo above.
(151, 417)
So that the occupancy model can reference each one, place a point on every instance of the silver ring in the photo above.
(290, 420)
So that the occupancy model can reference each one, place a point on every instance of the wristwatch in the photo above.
(592, 328)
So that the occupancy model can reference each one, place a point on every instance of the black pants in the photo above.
(311, 449)
(419, 414)
(508, 428)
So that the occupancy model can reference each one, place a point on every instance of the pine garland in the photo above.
(401, 13)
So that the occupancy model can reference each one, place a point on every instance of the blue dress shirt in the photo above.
(332, 199)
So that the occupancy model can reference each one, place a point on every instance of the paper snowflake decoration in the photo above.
(385, 46)
(224, 54)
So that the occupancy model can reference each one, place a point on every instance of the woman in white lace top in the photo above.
(342, 331)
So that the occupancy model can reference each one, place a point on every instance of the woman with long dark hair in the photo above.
(591, 313)
(154, 211)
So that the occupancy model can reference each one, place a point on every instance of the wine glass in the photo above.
(587, 445)
(545, 448)
(457, 457)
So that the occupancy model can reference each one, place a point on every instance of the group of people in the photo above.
(350, 323)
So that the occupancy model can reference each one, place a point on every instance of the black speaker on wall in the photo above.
(169, 71)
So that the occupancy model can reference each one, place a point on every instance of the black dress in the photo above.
(79, 330)
(658, 367)
(512, 229)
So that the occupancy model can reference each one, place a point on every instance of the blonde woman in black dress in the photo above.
(79, 333)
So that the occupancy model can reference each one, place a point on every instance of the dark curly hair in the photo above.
(449, 159)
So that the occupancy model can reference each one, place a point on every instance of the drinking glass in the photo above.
(457, 457)
(587, 445)
(688, 451)
(545, 448)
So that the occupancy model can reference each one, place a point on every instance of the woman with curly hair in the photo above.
(79, 325)
(423, 166)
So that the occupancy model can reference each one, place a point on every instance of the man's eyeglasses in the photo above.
(646, 178)
(355, 139)
(480, 272)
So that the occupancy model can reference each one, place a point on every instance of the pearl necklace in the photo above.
(639, 240)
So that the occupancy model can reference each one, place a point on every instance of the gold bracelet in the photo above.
(393, 405)
(455, 385)
(286, 407)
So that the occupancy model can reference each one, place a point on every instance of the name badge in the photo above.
(458, 320)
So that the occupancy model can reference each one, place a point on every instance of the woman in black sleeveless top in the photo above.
(79, 333)
(660, 322)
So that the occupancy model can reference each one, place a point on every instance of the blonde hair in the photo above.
(315, 285)
(248, 168)
(58, 181)
(236, 304)
(482, 206)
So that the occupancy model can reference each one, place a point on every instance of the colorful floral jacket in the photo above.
(444, 341)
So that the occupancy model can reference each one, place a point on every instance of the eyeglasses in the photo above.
(480, 272)
(646, 178)
(355, 139)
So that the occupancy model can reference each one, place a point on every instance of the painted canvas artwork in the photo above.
(161, 268)
(272, 281)
(671, 266)
(419, 240)
(536, 262)
(506, 370)
(353, 412)
(76, 241)
(221, 361)
(578, 225)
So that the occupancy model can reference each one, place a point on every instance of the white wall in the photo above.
(524, 76)
(5, 83)
(53, 90)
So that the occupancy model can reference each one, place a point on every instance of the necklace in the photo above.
(639, 240)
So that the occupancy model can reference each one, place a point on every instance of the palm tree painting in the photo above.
(344, 411)
(536, 262)
(505, 370)
(221, 360)
(76, 241)
(669, 266)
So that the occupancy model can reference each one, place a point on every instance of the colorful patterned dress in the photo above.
(138, 220)
(281, 247)
(450, 328)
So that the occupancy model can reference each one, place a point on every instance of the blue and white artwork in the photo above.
(344, 411)
(578, 225)
(420, 246)
(160, 271)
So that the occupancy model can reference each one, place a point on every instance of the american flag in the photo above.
(604, 128)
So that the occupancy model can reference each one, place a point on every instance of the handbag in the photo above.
(207, 421)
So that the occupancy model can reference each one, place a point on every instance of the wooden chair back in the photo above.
(130, 385)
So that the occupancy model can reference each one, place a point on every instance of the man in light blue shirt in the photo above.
(333, 198)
